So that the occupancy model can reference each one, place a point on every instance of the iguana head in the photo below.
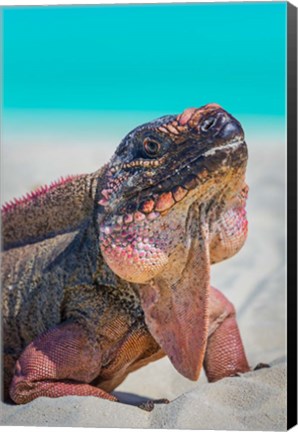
(158, 171)
(173, 202)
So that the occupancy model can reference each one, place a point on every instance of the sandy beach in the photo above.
(254, 280)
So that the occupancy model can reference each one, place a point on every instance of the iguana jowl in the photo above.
(104, 273)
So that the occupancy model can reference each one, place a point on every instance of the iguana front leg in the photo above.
(61, 362)
(224, 354)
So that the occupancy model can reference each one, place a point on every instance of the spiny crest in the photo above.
(30, 196)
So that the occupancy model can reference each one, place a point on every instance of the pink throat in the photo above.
(132, 250)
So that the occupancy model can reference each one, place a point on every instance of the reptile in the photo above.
(106, 272)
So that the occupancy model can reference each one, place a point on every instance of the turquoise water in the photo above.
(86, 75)
(146, 57)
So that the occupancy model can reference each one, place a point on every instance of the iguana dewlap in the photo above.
(104, 273)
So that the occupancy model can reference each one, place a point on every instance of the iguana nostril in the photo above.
(208, 124)
(230, 130)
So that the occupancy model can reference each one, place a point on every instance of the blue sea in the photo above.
(78, 78)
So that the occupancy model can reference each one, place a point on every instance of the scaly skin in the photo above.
(104, 273)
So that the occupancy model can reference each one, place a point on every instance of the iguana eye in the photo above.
(151, 147)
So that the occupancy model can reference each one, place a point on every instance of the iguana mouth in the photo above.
(233, 145)
(159, 195)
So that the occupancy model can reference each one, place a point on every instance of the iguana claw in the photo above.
(261, 366)
(150, 404)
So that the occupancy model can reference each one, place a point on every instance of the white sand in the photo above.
(255, 401)
(254, 280)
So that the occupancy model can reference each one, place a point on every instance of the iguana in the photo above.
(105, 272)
